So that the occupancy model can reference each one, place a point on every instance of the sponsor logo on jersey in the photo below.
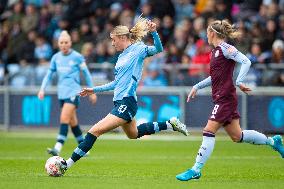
(71, 62)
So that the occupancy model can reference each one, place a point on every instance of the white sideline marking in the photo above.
(152, 157)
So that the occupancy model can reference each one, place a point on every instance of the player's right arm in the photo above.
(102, 88)
(202, 84)
(47, 78)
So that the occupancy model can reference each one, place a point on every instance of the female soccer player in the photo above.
(67, 63)
(224, 96)
(128, 71)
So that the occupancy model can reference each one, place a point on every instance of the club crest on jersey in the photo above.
(217, 53)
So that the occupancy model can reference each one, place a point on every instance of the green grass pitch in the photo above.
(142, 163)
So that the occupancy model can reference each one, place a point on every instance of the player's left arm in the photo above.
(158, 47)
(88, 78)
(237, 56)
(86, 72)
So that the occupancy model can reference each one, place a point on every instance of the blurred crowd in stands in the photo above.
(29, 30)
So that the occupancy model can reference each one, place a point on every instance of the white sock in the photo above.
(169, 125)
(69, 162)
(58, 146)
(206, 148)
(254, 137)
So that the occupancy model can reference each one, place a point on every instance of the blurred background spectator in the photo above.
(29, 30)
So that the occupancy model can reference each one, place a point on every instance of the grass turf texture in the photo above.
(138, 164)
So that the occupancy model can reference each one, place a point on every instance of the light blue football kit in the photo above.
(128, 72)
(68, 68)
(129, 67)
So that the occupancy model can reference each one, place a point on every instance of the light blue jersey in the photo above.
(68, 70)
(129, 67)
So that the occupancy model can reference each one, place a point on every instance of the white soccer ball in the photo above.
(55, 166)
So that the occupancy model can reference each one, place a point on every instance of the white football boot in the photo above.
(178, 126)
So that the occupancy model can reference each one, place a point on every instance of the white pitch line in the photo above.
(151, 157)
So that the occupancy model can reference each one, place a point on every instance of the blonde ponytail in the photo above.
(224, 29)
(139, 30)
(136, 33)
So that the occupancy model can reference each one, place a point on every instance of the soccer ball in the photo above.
(55, 166)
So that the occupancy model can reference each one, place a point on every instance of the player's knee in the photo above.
(96, 131)
(65, 119)
(236, 138)
(132, 136)
(73, 123)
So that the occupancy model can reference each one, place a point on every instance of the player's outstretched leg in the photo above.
(82, 149)
(61, 138)
(177, 125)
(76, 130)
(257, 138)
(155, 127)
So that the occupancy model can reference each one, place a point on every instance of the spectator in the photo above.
(179, 37)
(146, 10)
(112, 55)
(184, 9)
(56, 17)
(162, 8)
(270, 34)
(115, 10)
(274, 77)
(43, 50)
(88, 52)
(154, 77)
(278, 52)
(100, 53)
(199, 28)
(16, 38)
(30, 20)
(280, 32)
(256, 54)
(223, 10)
(200, 62)
(77, 43)
(173, 55)
(44, 20)
(167, 28)
(85, 31)
(26, 52)
(17, 14)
